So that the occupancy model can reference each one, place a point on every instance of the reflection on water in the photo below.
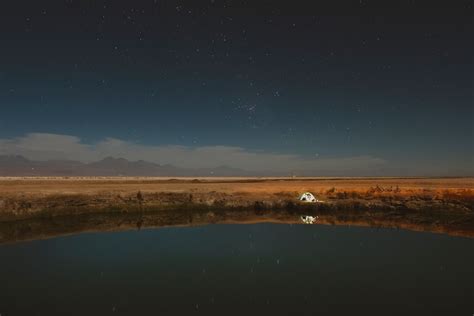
(259, 269)
(56, 226)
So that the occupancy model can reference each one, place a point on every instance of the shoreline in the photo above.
(67, 225)
(440, 205)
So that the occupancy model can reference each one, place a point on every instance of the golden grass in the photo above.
(448, 204)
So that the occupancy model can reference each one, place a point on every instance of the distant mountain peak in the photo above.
(13, 157)
(16, 165)
(113, 159)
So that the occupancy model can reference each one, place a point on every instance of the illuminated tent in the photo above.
(308, 197)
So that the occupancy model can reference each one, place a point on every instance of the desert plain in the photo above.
(42, 207)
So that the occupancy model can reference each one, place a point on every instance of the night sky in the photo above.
(388, 85)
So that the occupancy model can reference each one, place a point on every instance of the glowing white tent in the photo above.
(308, 197)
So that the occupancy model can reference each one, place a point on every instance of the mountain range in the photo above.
(15, 165)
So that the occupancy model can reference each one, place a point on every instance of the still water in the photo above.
(260, 269)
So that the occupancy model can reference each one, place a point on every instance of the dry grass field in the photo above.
(439, 205)
(93, 185)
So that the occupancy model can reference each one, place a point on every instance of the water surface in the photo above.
(260, 269)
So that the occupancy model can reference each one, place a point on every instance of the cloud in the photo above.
(42, 146)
